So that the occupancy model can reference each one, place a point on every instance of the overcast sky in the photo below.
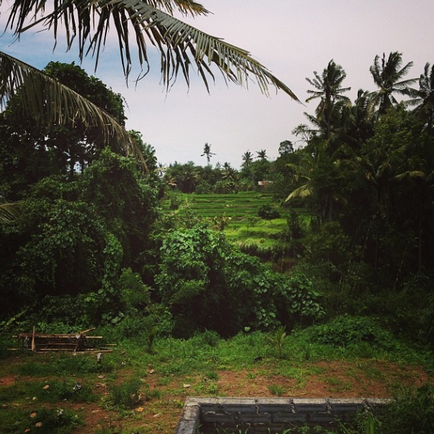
(292, 38)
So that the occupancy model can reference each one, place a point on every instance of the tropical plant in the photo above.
(247, 159)
(262, 154)
(9, 212)
(286, 147)
(180, 45)
(278, 339)
(424, 97)
(207, 152)
(388, 76)
(329, 90)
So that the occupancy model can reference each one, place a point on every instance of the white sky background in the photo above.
(292, 38)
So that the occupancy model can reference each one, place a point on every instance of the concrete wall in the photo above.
(263, 415)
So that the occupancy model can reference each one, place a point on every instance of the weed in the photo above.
(372, 372)
(163, 381)
(211, 375)
(337, 384)
(278, 339)
(276, 389)
(212, 388)
(150, 394)
(410, 411)
(127, 394)
(345, 331)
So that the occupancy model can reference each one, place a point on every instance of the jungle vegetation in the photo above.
(87, 238)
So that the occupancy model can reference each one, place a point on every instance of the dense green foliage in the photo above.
(207, 284)
(344, 223)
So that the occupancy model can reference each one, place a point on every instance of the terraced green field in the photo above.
(239, 205)
(237, 215)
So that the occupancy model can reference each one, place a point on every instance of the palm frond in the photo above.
(48, 102)
(303, 191)
(410, 174)
(9, 212)
(180, 45)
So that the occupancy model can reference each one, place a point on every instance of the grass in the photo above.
(135, 391)
(41, 420)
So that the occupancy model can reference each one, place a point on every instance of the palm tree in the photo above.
(247, 159)
(148, 22)
(207, 152)
(262, 154)
(424, 97)
(329, 89)
(388, 76)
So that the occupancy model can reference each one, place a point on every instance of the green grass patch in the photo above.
(48, 391)
(39, 420)
(65, 364)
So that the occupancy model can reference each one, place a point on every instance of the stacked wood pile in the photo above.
(74, 342)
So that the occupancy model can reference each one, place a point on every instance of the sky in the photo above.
(292, 38)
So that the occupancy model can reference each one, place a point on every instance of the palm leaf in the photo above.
(180, 45)
(48, 102)
(9, 212)
(302, 192)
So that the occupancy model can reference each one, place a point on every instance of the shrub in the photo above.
(267, 212)
(345, 331)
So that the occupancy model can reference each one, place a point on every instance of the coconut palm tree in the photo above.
(207, 152)
(229, 173)
(329, 90)
(262, 154)
(424, 97)
(388, 76)
(247, 159)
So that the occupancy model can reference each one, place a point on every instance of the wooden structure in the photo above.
(74, 342)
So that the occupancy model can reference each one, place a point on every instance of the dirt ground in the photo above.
(162, 400)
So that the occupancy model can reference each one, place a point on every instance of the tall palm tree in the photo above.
(247, 159)
(388, 76)
(424, 97)
(229, 173)
(329, 89)
(207, 152)
(262, 154)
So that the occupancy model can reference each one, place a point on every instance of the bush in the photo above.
(345, 331)
(266, 212)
